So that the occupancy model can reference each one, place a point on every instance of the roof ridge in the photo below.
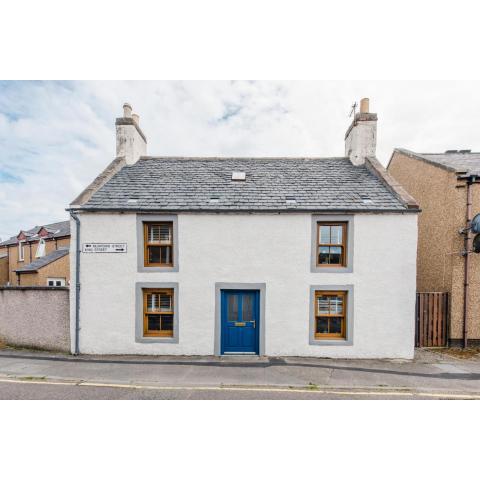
(171, 157)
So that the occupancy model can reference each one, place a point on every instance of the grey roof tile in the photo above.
(56, 230)
(454, 160)
(187, 184)
(42, 261)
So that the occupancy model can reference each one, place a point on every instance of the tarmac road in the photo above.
(41, 375)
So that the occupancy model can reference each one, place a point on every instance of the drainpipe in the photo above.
(77, 282)
(467, 253)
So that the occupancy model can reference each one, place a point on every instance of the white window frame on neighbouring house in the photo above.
(40, 249)
(56, 282)
(21, 250)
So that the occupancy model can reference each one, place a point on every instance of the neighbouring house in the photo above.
(269, 256)
(37, 257)
(442, 183)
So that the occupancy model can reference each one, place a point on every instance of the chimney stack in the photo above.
(361, 136)
(131, 141)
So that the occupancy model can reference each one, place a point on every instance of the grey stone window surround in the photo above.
(349, 320)
(139, 338)
(349, 244)
(140, 245)
(218, 311)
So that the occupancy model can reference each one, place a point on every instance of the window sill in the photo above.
(339, 342)
(171, 268)
(156, 339)
(318, 269)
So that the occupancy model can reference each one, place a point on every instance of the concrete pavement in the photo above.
(28, 374)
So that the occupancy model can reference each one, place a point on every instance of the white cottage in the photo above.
(260, 256)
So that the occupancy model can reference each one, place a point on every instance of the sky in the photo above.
(55, 137)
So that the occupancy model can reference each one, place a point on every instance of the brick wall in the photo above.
(440, 265)
(29, 251)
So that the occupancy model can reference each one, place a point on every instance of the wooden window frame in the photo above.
(316, 315)
(343, 245)
(158, 333)
(147, 244)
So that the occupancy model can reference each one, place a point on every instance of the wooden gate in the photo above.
(431, 326)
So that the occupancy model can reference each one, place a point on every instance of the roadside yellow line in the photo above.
(384, 392)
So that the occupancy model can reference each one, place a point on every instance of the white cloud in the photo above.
(55, 137)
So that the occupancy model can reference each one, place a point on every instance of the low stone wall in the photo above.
(36, 317)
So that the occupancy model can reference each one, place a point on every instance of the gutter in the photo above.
(77, 282)
(314, 211)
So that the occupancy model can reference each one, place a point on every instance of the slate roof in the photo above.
(189, 184)
(56, 230)
(43, 261)
(466, 162)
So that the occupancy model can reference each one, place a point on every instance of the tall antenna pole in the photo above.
(353, 112)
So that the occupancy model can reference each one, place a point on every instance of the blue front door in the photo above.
(240, 321)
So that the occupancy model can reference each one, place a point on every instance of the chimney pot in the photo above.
(136, 118)
(127, 110)
(364, 105)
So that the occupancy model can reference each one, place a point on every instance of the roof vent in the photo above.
(214, 199)
(239, 176)
(132, 200)
(290, 200)
(365, 199)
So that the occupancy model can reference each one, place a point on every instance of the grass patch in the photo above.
(464, 353)
(31, 378)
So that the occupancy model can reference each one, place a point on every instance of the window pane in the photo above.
(232, 308)
(154, 254)
(152, 302)
(336, 325)
(322, 305)
(154, 322)
(336, 234)
(165, 302)
(336, 305)
(324, 234)
(165, 233)
(247, 308)
(322, 325)
(167, 322)
(165, 255)
(324, 255)
(161, 233)
(336, 255)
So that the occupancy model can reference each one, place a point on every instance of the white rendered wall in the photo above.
(252, 248)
